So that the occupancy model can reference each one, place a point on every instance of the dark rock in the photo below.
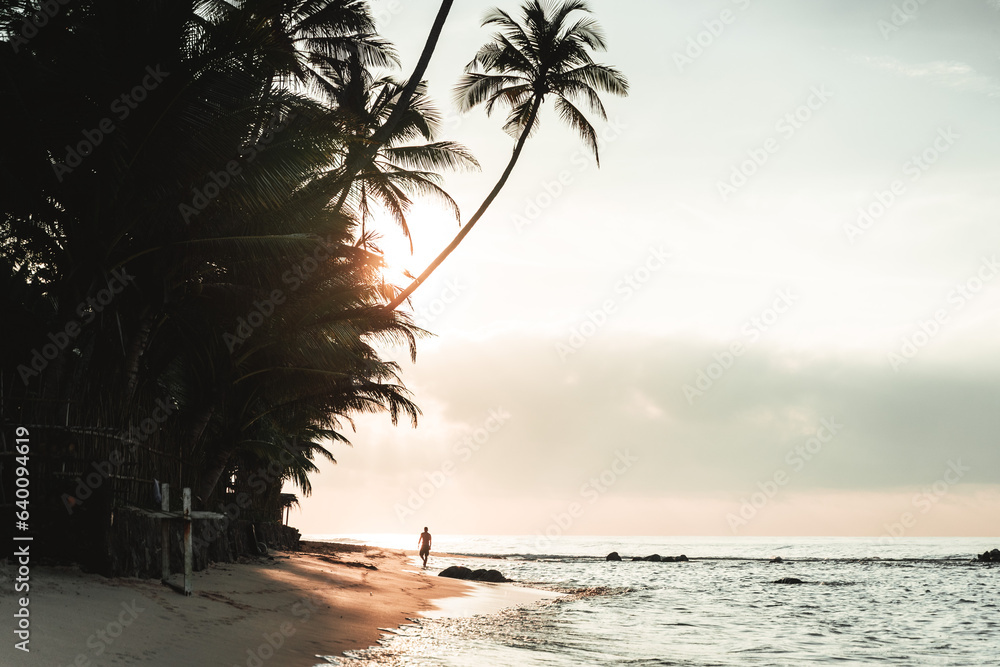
(460, 572)
(788, 580)
(777, 559)
(456, 572)
(653, 558)
(990, 556)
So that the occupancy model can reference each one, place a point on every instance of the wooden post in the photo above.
(165, 529)
(188, 517)
(188, 549)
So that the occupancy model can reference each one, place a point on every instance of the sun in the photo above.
(430, 232)
(397, 261)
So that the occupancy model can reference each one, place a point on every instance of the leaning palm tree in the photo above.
(546, 53)
(407, 162)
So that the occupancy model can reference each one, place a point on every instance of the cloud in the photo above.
(894, 437)
(948, 74)
(897, 429)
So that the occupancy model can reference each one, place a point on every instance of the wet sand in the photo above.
(290, 610)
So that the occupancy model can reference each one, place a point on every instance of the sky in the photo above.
(771, 311)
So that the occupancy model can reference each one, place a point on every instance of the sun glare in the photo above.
(396, 258)
(431, 229)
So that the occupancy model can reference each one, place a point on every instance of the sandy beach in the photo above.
(289, 610)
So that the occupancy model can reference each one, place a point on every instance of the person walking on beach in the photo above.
(424, 543)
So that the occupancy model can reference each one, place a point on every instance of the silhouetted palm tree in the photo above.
(408, 161)
(546, 53)
(230, 70)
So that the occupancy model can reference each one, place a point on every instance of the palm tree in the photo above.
(318, 36)
(399, 168)
(546, 53)
(402, 104)
(234, 68)
(308, 367)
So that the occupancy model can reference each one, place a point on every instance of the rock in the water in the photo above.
(777, 559)
(456, 572)
(493, 576)
(460, 572)
(990, 556)
(652, 558)
(788, 580)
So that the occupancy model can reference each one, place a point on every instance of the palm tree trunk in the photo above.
(136, 349)
(384, 132)
(187, 453)
(381, 136)
(402, 296)
(212, 472)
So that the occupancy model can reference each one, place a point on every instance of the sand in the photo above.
(288, 611)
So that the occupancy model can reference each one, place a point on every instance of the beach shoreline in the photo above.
(291, 609)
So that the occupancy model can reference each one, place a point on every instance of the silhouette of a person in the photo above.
(424, 543)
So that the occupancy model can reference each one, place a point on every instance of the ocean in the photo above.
(912, 601)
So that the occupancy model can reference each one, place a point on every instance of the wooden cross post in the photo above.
(188, 517)
(188, 548)
(165, 531)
